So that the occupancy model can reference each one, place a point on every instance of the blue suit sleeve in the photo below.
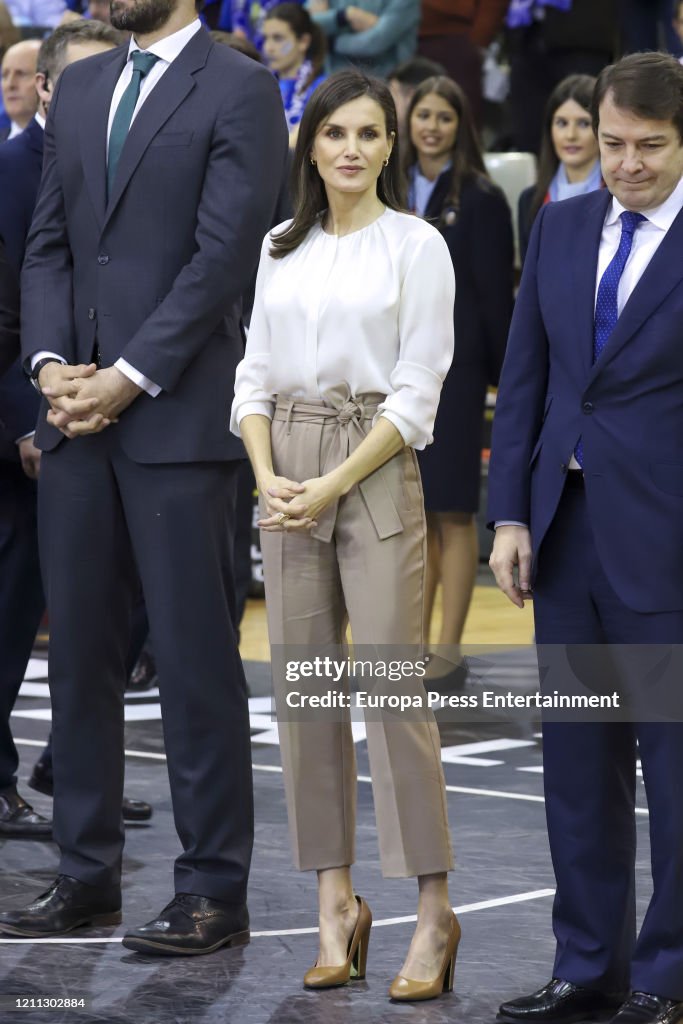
(521, 398)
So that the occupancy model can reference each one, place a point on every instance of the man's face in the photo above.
(18, 78)
(141, 16)
(642, 159)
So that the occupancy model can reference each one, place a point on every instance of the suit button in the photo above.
(91, 314)
(563, 467)
(102, 259)
(588, 407)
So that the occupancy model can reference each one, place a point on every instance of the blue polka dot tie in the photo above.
(606, 308)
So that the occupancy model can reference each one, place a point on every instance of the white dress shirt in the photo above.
(372, 309)
(647, 238)
(166, 50)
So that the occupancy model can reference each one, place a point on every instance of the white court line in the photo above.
(466, 790)
(467, 908)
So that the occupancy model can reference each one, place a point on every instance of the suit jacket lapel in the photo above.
(662, 274)
(438, 196)
(584, 261)
(93, 128)
(34, 136)
(165, 97)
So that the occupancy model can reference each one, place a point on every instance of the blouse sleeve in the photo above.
(425, 328)
(251, 394)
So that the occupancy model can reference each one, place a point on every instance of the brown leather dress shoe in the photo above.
(18, 819)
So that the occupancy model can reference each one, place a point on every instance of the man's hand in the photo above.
(102, 396)
(30, 457)
(512, 547)
(360, 20)
(59, 381)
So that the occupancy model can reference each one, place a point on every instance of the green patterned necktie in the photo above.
(142, 64)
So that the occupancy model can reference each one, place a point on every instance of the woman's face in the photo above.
(351, 145)
(284, 52)
(433, 126)
(572, 135)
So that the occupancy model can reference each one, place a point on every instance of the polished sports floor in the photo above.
(502, 886)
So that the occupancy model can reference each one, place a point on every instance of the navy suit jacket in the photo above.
(21, 162)
(9, 313)
(155, 272)
(627, 406)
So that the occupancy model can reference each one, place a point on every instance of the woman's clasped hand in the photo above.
(301, 504)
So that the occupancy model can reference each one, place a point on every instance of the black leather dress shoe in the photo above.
(144, 675)
(191, 925)
(67, 904)
(132, 810)
(559, 1001)
(19, 820)
(643, 1008)
(135, 810)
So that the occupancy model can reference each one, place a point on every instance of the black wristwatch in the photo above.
(35, 372)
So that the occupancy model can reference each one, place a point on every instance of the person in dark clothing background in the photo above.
(546, 45)
(449, 186)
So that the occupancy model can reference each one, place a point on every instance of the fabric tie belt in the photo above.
(346, 414)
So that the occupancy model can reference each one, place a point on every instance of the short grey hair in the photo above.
(52, 54)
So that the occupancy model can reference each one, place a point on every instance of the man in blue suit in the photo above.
(586, 492)
(22, 601)
(163, 162)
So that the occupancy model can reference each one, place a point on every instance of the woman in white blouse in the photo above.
(351, 337)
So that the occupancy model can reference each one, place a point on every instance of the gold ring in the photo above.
(282, 518)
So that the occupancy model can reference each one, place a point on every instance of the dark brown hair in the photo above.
(467, 161)
(302, 24)
(649, 85)
(308, 189)
(236, 42)
(575, 87)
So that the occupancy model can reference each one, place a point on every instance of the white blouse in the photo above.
(372, 309)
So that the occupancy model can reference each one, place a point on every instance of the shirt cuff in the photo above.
(44, 354)
(509, 522)
(24, 437)
(138, 378)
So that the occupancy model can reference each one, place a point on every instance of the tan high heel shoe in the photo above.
(354, 967)
(406, 990)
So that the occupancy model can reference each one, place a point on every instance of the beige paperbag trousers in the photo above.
(364, 564)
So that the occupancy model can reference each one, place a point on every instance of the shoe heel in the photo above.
(104, 920)
(360, 957)
(449, 976)
(240, 939)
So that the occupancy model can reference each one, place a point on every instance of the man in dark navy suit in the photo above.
(163, 162)
(586, 492)
(22, 601)
(9, 313)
